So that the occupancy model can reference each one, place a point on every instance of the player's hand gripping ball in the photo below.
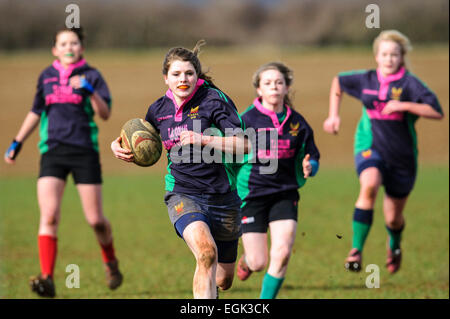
(142, 139)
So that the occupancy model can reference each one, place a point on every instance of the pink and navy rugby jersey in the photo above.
(207, 107)
(66, 113)
(294, 140)
(393, 135)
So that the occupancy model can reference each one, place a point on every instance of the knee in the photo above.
(394, 222)
(224, 283)
(50, 220)
(256, 263)
(281, 256)
(369, 191)
(207, 256)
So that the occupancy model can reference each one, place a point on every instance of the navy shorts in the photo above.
(83, 163)
(258, 212)
(220, 211)
(396, 183)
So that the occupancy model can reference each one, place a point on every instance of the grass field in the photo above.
(156, 263)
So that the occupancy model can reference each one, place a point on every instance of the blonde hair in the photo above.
(396, 36)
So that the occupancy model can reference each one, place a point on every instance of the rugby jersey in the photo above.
(66, 113)
(393, 136)
(292, 138)
(207, 107)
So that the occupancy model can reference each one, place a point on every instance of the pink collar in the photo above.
(384, 81)
(65, 73)
(273, 115)
(179, 109)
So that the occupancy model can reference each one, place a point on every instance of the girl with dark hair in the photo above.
(69, 94)
(201, 196)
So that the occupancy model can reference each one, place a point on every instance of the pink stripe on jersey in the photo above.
(376, 114)
(370, 92)
(65, 73)
(179, 109)
(273, 115)
(384, 81)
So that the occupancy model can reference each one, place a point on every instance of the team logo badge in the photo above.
(366, 154)
(247, 220)
(294, 129)
(395, 93)
(179, 208)
(194, 112)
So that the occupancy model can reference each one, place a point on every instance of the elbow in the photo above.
(104, 116)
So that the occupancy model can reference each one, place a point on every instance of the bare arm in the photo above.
(99, 105)
(332, 123)
(420, 109)
(29, 124)
(229, 144)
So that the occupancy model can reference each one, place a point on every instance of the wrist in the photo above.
(87, 86)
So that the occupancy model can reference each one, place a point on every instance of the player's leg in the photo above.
(255, 254)
(91, 201)
(49, 192)
(395, 223)
(197, 236)
(398, 185)
(282, 237)
(370, 180)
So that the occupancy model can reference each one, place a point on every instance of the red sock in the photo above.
(47, 254)
(108, 252)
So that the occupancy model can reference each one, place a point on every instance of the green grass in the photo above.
(158, 265)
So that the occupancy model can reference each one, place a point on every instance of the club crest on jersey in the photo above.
(294, 129)
(395, 93)
(366, 154)
(179, 208)
(193, 113)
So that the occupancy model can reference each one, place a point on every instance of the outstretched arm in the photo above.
(332, 123)
(29, 124)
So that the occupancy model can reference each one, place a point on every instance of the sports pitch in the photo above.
(155, 262)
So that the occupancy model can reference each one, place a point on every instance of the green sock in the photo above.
(362, 222)
(395, 236)
(270, 287)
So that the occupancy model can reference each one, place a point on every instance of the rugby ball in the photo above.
(142, 139)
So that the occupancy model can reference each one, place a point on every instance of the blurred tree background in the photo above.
(136, 24)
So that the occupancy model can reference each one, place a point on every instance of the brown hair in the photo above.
(184, 54)
(288, 75)
(77, 31)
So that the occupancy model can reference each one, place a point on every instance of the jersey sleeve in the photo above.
(420, 93)
(150, 116)
(310, 145)
(351, 82)
(39, 100)
(101, 87)
(225, 116)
